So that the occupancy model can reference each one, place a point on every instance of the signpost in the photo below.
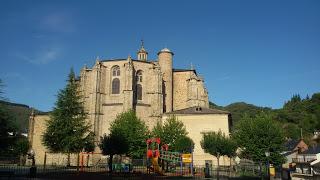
(187, 158)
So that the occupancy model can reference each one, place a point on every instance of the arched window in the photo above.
(115, 80)
(139, 92)
(139, 77)
(115, 86)
(139, 85)
(115, 71)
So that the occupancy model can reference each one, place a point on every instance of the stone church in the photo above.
(152, 88)
(149, 87)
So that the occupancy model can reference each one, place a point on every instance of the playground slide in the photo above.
(156, 166)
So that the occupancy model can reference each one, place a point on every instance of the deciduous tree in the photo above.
(215, 143)
(170, 131)
(258, 135)
(184, 144)
(113, 144)
(134, 130)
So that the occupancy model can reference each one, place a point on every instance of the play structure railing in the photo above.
(170, 156)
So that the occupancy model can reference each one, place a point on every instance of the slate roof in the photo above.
(312, 150)
(184, 70)
(199, 110)
(291, 144)
(107, 60)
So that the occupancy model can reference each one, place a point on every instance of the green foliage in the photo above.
(21, 146)
(241, 109)
(300, 113)
(184, 144)
(1, 89)
(6, 126)
(218, 144)
(230, 148)
(291, 130)
(113, 144)
(89, 142)
(260, 134)
(170, 131)
(19, 113)
(67, 130)
(134, 130)
(296, 114)
(215, 106)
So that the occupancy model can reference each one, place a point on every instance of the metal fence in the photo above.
(137, 168)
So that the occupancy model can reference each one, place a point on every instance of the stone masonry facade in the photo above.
(150, 88)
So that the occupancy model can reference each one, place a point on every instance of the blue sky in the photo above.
(260, 52)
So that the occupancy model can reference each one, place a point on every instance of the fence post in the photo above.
(45, 160)
(81, 162)
(181, 166)
(78, 155)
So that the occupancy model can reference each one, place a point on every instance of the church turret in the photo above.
(142, 53)
(165, 62)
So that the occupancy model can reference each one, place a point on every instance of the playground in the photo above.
(164, 162)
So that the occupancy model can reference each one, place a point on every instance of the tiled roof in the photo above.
(199, 110)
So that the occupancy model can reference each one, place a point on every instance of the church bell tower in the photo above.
(142, 53)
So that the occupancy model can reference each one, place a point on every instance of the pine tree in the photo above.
(67, 130)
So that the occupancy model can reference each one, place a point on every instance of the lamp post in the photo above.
(33, 169)
(267, 153)
(32, 154)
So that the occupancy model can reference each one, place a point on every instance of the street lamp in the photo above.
(33, 168)
(31, 156)
(267, 153)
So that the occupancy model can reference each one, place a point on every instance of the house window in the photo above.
(115, 86)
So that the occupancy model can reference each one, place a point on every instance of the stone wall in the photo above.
(196, 125)
(38, 127)
(180, 93)
(189, 90)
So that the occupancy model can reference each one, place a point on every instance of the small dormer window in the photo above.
(198, 109)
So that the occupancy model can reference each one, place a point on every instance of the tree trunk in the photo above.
(260, 169)
(230, 169)
(110, 162)
(21, 160)
(68, 160)
(218, 158)
(78, 158)
(88, 160)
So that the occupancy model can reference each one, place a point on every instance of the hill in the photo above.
(20, 114)
(239, 109)
(296, 115)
